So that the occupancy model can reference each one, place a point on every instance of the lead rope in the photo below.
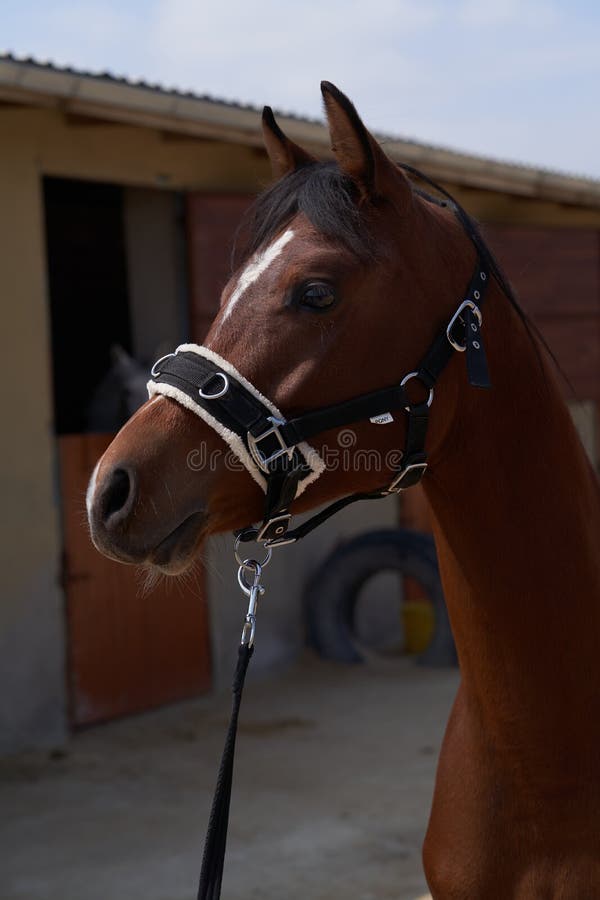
(213, 858)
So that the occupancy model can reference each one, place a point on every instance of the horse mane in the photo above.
(331, 202)
(473, 231)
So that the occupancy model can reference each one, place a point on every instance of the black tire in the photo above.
(331, 594)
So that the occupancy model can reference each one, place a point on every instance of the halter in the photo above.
(275, 450)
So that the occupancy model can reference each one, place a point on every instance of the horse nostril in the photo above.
(117, 497)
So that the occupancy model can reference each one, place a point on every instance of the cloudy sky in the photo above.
(513, 79)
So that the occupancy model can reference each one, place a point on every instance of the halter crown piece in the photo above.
(275, 450)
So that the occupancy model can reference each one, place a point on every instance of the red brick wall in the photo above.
(556, 273)
(212, 220)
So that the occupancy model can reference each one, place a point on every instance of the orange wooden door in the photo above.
(129, 649)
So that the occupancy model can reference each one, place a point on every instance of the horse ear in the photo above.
(357, 152)
(285, 155)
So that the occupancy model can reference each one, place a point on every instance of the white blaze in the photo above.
(255, 268)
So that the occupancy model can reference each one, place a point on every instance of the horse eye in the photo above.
(317, 295)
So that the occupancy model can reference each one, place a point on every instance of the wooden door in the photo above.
(129, 649)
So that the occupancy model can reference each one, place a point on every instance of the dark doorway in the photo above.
(87, 275)
(116, 279)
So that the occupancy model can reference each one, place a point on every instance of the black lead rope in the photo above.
(213, 859)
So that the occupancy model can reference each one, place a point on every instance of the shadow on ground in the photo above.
(334, 775)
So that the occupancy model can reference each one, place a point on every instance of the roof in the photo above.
(106, 97)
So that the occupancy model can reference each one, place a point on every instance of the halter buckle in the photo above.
(466, 304)
(274, 530)
(261, 460)
(411, 471)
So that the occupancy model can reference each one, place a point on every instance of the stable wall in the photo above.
(36, 143)
(32, 645)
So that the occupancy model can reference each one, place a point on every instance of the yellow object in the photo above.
(418, 622)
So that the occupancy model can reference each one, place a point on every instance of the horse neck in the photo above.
(517, 519)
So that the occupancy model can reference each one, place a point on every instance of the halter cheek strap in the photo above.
(276, 452)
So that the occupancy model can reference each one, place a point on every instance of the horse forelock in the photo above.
(329, 200)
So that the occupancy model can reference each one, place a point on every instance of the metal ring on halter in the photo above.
(408, 378)
(220, 393)
(155, 371)
(243, 562)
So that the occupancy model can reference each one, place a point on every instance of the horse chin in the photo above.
(177, 551)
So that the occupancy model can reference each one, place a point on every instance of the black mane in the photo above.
(473, 231)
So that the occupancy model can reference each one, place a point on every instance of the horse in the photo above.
(349, 271)
(119, 394)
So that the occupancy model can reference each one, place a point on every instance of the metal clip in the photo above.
(253, 590)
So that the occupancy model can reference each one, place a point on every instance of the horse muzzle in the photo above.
(116, 515)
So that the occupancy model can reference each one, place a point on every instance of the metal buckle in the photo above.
(280, 542)
(396, 484)
(259, 458)
(283, 519)
(466, 304)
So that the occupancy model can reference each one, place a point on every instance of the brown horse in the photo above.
(350, 273)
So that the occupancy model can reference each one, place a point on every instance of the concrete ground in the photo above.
(334, 775)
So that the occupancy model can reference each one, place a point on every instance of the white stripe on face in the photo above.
(259, 263)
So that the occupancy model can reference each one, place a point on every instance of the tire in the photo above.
(332, 592)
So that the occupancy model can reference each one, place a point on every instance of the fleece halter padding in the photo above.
(238, 414)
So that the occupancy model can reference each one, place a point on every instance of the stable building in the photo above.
(119, 204)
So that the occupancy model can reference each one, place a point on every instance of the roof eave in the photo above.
(107, 99)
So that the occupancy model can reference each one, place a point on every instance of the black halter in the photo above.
(273, 443)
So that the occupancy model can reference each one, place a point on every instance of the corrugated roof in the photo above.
(138, 102)
(48, 65)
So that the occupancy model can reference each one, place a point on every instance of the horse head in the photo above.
(347, 275)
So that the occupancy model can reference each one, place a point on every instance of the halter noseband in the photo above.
(275, 450)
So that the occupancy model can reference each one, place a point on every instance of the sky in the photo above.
(516, 80)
